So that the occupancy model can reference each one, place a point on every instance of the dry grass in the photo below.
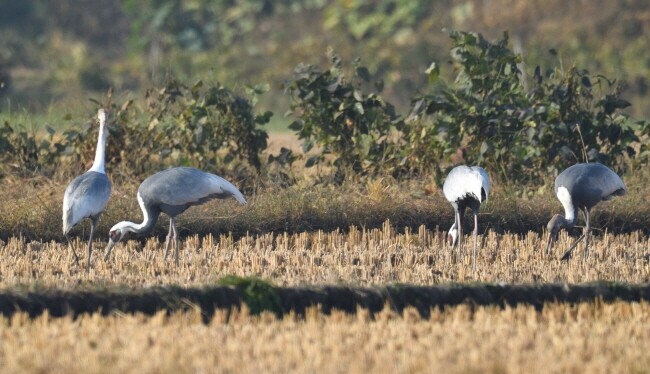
(356, 257)
(32, 208)
(593, 338)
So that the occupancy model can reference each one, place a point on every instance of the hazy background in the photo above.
(58, 53)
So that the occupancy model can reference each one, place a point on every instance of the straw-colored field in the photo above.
(561, 338)
(357, 257)
(588, 338)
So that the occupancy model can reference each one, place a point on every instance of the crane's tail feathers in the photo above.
(234, 191)
(228, 187)
(240, 197)
(619, 192)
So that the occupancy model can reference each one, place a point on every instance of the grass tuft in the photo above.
(259, 295)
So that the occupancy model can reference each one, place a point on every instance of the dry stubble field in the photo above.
(355, 257)
(593, 337)
(586, 338)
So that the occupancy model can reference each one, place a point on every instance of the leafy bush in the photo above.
(566, 117)
(521, 129)
(337, 117)
(25, 153)
(205, 126)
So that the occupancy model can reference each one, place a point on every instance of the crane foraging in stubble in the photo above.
(582, 186)
(172, 192)
(465, 187)
(87, 195)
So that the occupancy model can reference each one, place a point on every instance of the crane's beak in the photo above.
(109, 247)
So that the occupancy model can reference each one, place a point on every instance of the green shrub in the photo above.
(488, 114)
(24, 153)
(206, 126)
(355, 129)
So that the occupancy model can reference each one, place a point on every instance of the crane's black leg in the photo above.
(587, 232)
(169, 237)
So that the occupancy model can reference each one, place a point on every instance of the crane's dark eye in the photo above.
(114, 235)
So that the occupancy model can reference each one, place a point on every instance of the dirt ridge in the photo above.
(282, 300)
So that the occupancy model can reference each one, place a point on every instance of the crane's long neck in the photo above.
(459, 212)
(150, 216)
(569, 208)
(100, 151)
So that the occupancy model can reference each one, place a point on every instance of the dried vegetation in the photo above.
(594, 338)
(355, 257)
(289, 237)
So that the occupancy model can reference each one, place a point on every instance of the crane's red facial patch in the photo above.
(114, 235)
(450, 239)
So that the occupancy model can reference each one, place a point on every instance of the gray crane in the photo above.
(582, 186)
(86, 196)
(172, 191)
(465, 187)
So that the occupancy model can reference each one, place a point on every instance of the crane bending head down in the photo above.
(172, 192)
(465, 187)
(581, 187)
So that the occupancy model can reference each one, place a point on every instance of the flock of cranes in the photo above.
(174, 190)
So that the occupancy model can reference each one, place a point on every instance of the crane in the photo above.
(465, 187)
(87, 195)
(172, 192)
(582, 186)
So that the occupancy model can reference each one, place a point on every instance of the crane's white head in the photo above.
(117, 233)
(554, 226)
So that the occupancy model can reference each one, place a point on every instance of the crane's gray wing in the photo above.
(608, 183)
(183, 186)
(590, 183)
(86, 196)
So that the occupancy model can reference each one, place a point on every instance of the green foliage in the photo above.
(192, 25)
(23, 152)
(337, 118)
(490, 118)
(259, 295)
(206, 126)
(135, 43)
(521, 127)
